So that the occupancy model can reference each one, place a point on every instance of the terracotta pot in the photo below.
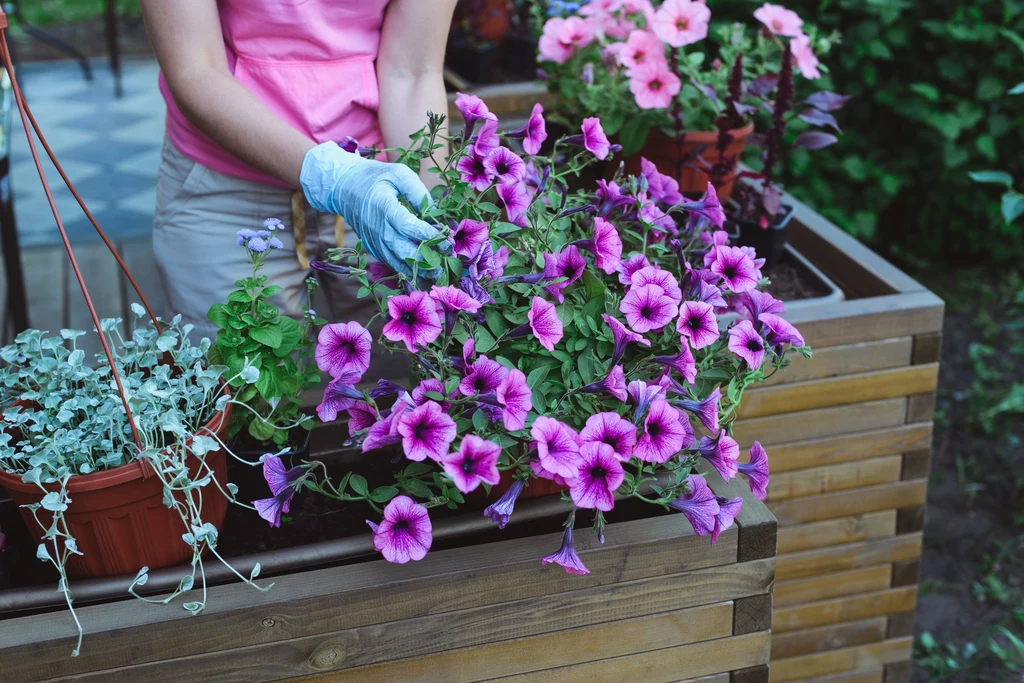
(536, 489)
(118, 517)
(489, 18)
(661, 149)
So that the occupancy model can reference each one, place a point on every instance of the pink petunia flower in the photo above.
(681, 22)
(600, 474)
(642, 47)
(489, 263)
(629, 266)
(666, 432)
(282, 489)
(682, 362)
(427, 432)
(779, 331)
(405, 532)
(536, 131)
(708, 206)
(805, 58)
(414, 320)
(562, 37)
(545, 323)
(567, 266)
(705, 409)
(648, 308)
(342, 347)
(728, 510)
(516, 197)
(361, 416)
(500, 511)
(340, 394)
(614, 384)
(622, 335)
(654, 85)
(709, 294)
(663, 188)
(504, 165)
(611, 429)
(754, 302)
(472, 109)
(697, 322)
(475, 463)
(746, 343)
(482, 376)
(779, 20)
(419, 392)
(468, 237)
(487, 139)
(453, 299)
(385, 432)
(566, 556)
(699, 505)
(653, 275)
(723, 453)
(757, 471)
(643, 393)
(472, 170)
(541, 472)
(606, 245)
(594, 139)
(736, 268)
(516, 399)
(557, 446)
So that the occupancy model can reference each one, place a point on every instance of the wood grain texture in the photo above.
(833, 450)
(819, 423)
(910, 520)
(828, 586)
(831, 637)
(900, 625)
(927, 348)
(850, 556)
(898, 672)
(847, 359)
(870, 675)
(758, 530)
(906, 573)
(835, 391)
(849, 475)
(753, 674)
(921, 408)
(847, 503)
(917, 464)
(837, 531)
(870, 319)
(853, 608)
(837, 661)
(752, 614)
(713, 678)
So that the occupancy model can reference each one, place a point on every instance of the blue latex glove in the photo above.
(365, 193)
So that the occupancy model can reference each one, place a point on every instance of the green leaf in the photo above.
(632, 138)
(240, 297)
(998, 177)
(417, 468)
(359, 485)
(383, 494)
(488, 207)
(291, 333)
(536, 377)
(480, 421)
(417, 488)
(484, 340)
(1012, 206)
(260, 430)
(219, 315)
(270, 335)
(503, 228)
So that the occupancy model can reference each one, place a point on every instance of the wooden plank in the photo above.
(837, 661)
(834, 391)
(819, 480)
(860, 320)
(917, 464)
(758, 529)
(906, 573)
(927, 348)
(475, 631)
(900, 625)
(921, 408)
(752, 614)
(846, 503)
(45, 287)
(753, 674)
(103, 277)
(898, 672)
(713, 678)
(826, 560)
(831, 637)
(909, 520)
(847, 359)
(860, 446)
(837, 531)
(373, 592)
(854, 608)
(822, 422)
(870, 675)
(828, 586)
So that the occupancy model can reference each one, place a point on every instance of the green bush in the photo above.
(933, 87)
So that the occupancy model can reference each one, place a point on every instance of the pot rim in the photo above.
(707, 136)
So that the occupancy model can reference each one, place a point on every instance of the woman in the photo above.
(258, 93)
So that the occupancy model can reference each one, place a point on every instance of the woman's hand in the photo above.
(366, 194)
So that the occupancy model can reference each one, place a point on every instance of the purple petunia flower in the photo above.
(652, 275)
(282, 489)
(705, 409)
(630, 266)
(622, 335)
(610, 197)
(419, 393)
(489, 263)
(472, 170)
(728, 510)
(475, 290)
(780, 331)
(709, 294)
(606, 246)
(557, 446)
(736, 268)
(545, 323)
(666, 432)
(516, 198)
(536, 131)
(378, 270)
(709, 207)
(757, 471)
(339, 394)
(682, 362)
(566, 556)
(487, 138)
(600, 473)
(515, 397)
(663, 188)
(342, 347)
(614, 383)
(504, 166)
(501, 510)
(746, 343)
(414, 320)
(723, 454)
(475, 463)
(385, 432)
(753, 303)
(593, 139)
(697, 322)
(405, 532)
(482, 376)
(468, 237)
(568, 264)
(699, 505)
(427, 432)
(648, 308)
(472, 109)
(642, 394)
(611, 429)
(361, 416)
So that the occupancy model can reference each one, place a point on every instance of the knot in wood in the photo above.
(327, 656)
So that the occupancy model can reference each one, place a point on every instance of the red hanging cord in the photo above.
(5, 55)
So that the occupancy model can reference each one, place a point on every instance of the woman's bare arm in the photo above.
(189, 46)
(410, 68)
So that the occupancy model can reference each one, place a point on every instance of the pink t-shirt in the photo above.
(310, 61)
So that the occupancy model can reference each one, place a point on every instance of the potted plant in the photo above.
(478, 26)
(663, 86)
(103, 495)
(570, 339)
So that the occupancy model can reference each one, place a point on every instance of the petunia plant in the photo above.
(595, 341)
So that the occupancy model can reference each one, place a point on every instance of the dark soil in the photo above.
(792, 281)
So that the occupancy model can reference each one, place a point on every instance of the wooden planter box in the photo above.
(660, 605)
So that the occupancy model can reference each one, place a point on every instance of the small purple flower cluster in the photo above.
(261, 241)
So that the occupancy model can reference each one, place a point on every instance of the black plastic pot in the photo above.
(769, 242)
(519, 55)
(475, 63)
(245, 447)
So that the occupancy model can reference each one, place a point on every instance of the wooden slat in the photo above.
(758, 529)
(832, 637)
(374, 592)
(829, 586)
(892, 601)
(927, 348)
(45, 270)
(860, 320)
(822, 422)
(713, 678)
(752, 614)
(873, 674)
(102, 276)
(847, 359)
(551, 651)
(849, 447)
(827, 560)
(921, 407)
(900, 494)
(819, 480)
(834, 391)
(832, 532)
(837, 661)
